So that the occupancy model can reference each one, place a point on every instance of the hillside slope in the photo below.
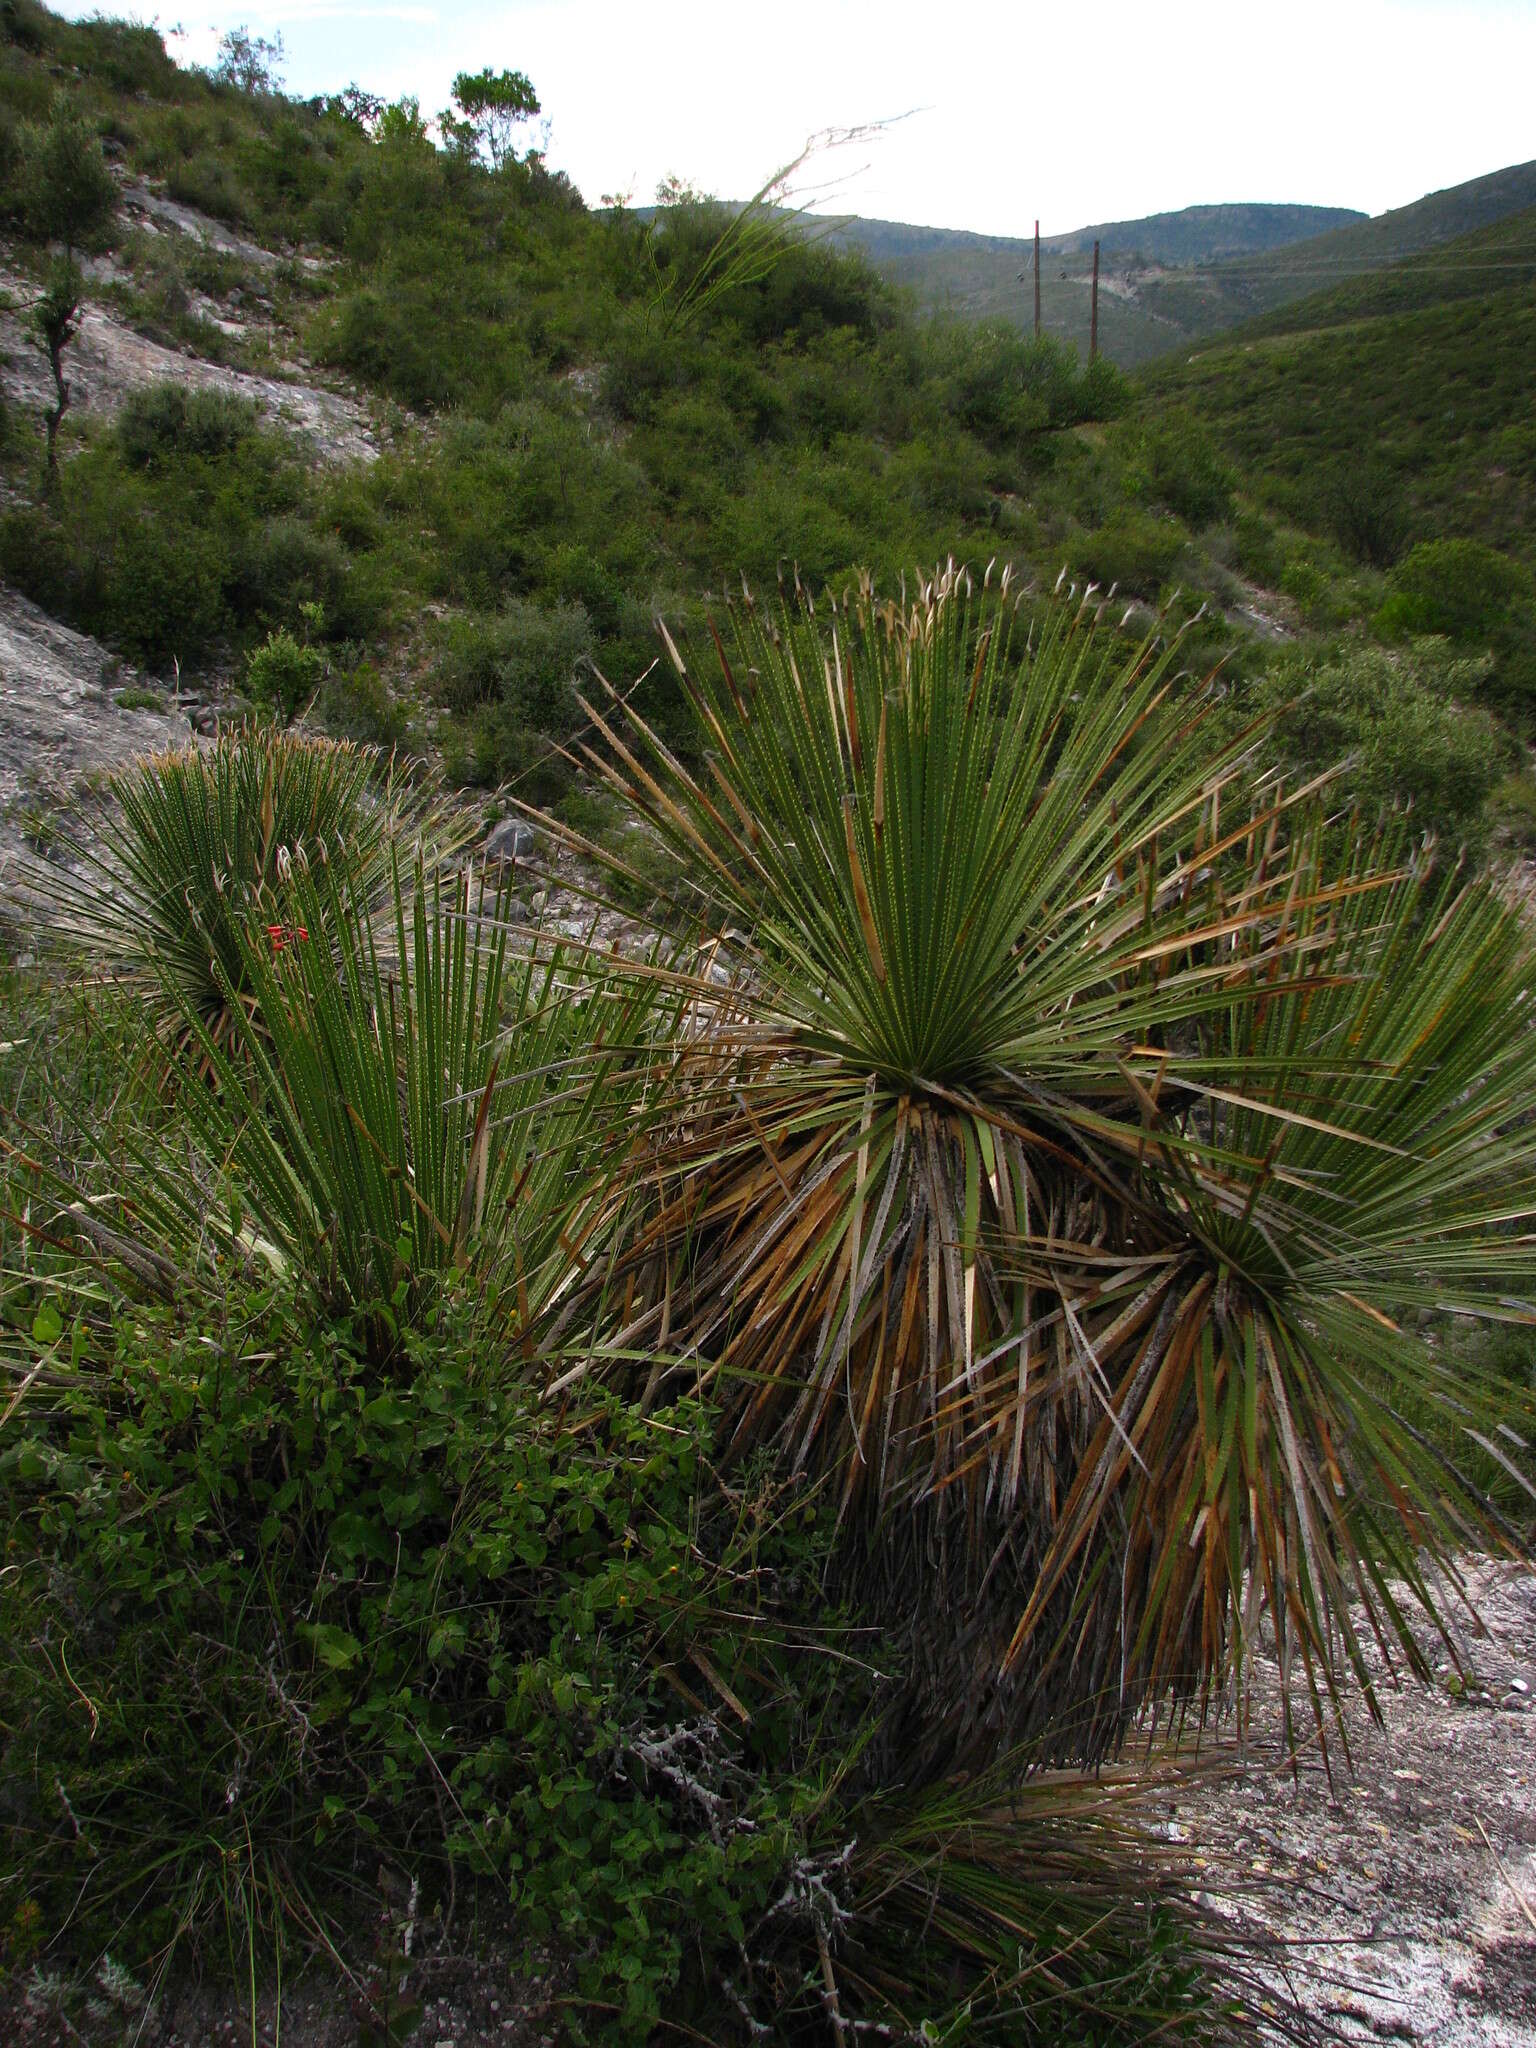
(992, 276)
(1424, 374)
(1226, 294)
(583, 421)
(1174, 279)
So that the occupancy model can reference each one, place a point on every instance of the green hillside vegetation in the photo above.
(580, 426)
(589, 419)
(986, 277)
(1399, 411)
(1220, 296)
(622, 1467)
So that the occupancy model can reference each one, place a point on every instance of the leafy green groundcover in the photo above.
(276, 1622)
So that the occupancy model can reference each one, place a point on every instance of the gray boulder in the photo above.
(512, 839)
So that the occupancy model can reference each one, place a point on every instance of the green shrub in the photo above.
(128, 55)
(521, 659)
(283, 564)
(1512, 811)
(1134, 551)
(1314, 592)
(376, 337)
(1395, 720)
(283, 674)
(490, 747)
(357, 703)
(160, 423)
(64, 190)
(27, 24)
(161, 589)
(1461, 588)
(1105, 392)
(1175, 463)
(207, 181)
(1364, 503)
(378, 1599)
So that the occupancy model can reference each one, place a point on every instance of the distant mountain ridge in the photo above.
(1251, 286)
(1418, 376)
(1194, 234)
(1173, 279)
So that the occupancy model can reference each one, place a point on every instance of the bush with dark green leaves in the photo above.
(161, 423)
(1403, 727)
(62, 188)
(1461, 588)
(1134, 551)
(1174, 463)
(416, 1616)
(1475, 596)
(422, 1630)
(523, 657)
(1321, 599)
(1365, 504)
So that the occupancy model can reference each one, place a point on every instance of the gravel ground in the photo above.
(1409, 1881)
(60, 720)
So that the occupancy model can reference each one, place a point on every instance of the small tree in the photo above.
(494, 106)
(67, 192)
(55, 323)
(250, 63)
(283, 674)
(353, 105)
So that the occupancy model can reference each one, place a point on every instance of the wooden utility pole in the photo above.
(1037, 280)
(1093, 318)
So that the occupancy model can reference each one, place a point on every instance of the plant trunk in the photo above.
(54, 414)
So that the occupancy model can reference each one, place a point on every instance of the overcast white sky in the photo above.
(1018, 109)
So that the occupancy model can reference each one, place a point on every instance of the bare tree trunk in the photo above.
(53, 416)
(56, 322)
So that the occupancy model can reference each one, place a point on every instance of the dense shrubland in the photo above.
(649, 1459)
(592, 417)
(653, 1466)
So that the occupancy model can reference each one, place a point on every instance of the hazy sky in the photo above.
(1013, 109)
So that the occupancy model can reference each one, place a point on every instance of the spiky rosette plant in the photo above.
(159, 884)
(1044, 988)
(424, 1099)
(966, 866)
(1336, 1156)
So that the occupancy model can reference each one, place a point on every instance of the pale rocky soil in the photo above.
(108, 359)
(1409, 1884)
(60, 722)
